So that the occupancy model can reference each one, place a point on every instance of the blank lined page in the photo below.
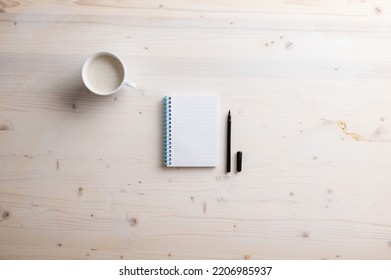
(194, 130)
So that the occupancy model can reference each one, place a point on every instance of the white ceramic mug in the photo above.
(104, 73)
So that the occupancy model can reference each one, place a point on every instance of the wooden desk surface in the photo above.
(309, 86)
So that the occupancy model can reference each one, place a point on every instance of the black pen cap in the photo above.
(239, 156)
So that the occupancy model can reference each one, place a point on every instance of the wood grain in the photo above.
(308, 85)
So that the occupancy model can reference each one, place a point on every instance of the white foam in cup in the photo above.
(104, 73)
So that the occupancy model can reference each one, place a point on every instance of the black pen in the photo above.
(229, 142)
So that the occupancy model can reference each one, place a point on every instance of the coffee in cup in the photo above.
(104, 73)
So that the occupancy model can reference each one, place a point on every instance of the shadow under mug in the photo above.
(112, 61)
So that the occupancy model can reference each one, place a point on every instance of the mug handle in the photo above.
(129, 84)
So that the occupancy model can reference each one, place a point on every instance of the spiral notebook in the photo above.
(190, 131)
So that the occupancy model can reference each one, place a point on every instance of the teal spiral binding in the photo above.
(167, 144)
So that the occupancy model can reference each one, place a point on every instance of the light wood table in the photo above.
(309, 87)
